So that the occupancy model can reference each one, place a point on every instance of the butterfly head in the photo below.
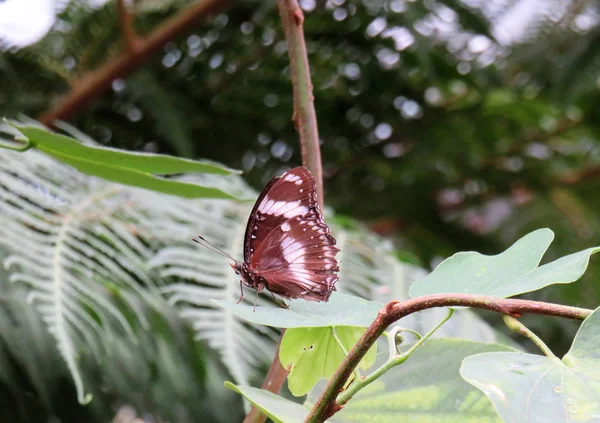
(247, 277)
(237, 267)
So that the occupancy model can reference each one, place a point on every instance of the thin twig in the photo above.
(326, 405)
(305, 120)
(126, 23)
(304, 116)
(394, 360)
(95, 83)
(518, 327)
(337, 339)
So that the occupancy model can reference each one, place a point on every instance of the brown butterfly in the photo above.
(288, 247)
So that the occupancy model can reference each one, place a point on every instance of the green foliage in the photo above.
(35, 381)
(128, 168)
(82, 247)
(310, 354)
(428, 386)
(513, 272)
(316, 342)
(530, 388)
(457, 147)
(94, 257)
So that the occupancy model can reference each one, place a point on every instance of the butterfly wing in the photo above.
(287, 241)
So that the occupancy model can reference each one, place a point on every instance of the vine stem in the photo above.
(518, 327)
(305, 120)
(126, 24)
(304, 116)
(394, 360)
(326, 405)
(357, 374)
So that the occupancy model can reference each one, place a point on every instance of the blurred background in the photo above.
(446, 125)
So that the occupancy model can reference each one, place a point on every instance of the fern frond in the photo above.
(69, 236)
(200, 275)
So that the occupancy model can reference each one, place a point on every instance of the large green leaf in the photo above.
(280, 410)
(340, 310)
(513, 272)
(126, 167)
(426, 388)
(534, 388)
(310, 354)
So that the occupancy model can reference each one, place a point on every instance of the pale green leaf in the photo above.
(310, 354)
(534, 388)
(566, 269)
(275, 407)
(340, 310)
(513, 272)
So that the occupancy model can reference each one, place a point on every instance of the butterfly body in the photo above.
(249, 277)
(288, 247)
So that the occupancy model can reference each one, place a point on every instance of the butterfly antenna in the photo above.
(200, 240)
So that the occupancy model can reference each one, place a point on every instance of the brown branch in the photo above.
(305, 119)
(304, 115)
(272, 383)
(126, 23)
(572, 178)
(92, 85)
(326, 405)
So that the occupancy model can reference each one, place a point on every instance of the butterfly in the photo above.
(288, 247)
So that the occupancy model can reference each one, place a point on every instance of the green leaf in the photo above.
(158, 164)
(280, 410)
(566, 269)
(535, 388)
(513, 272)
(310, 354)
(142, 180)
(426, 388)
(340, 310)
(128, 168)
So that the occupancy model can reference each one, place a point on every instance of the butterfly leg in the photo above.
(281, 303)
(241, 292)
(256, 298)
(259, 288)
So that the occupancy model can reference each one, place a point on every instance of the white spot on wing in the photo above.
(288, 209)
(286, 227)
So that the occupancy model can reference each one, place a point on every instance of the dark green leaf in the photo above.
(129, 168)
